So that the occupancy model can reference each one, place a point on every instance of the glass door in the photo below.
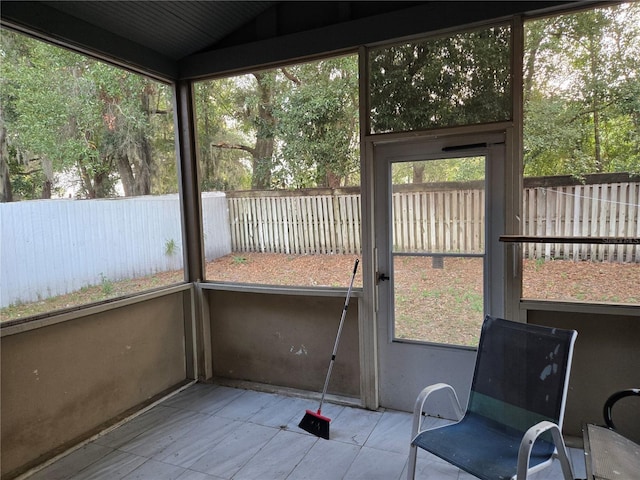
(439, 211)
(438, 229)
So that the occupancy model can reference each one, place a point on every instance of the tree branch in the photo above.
(30, 172)
(588, 111)
(233, 146)
(291, 76)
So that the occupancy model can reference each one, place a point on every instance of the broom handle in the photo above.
(335, 346)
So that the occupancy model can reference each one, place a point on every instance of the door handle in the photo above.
(382, 277)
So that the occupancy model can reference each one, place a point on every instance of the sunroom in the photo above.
(187, 186)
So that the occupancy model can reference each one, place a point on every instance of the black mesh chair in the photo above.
(513, 422)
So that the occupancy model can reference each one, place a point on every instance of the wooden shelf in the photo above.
(588, 240)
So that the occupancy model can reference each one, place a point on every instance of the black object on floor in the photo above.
(314, 422)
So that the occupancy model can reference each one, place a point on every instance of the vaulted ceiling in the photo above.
(189, 39)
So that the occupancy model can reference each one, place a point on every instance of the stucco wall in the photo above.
(61, 383)
(606, 359)
(284, 340)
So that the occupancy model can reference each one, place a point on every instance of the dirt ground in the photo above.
(442, 305)
(282, 269)
(438, 303)
(552, 280)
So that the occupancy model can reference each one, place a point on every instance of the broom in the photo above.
(314, 422)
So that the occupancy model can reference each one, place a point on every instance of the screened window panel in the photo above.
(460, 79)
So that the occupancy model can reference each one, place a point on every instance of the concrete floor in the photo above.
(209, 432)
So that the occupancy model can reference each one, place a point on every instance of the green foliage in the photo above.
(71, 117)
(170, 247)
(73, 120)
(449, 170)
(453, 80)
(292, 127)
(582, 93)
(106, 285)
(220, 168)
(238, 260)
(318, 125)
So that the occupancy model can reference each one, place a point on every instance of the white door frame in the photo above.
(374, 336)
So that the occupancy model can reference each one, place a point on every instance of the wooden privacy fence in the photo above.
(314, 221)
(441, 219)
(438, 221)
(597, 210)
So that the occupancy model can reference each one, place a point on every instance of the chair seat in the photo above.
(490, 450)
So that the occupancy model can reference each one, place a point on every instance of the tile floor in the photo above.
(209, 432)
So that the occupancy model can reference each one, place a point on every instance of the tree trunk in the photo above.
(135, 175)
(143, 179)
(595, 104)
(333, 180)
(263, 152)
(262, 159)
(126, 176)
(87, 185)
(145, 153)
(418, 172)
(101, 185)
(6, 193)
(46, 190)
(47, 169)
(96, 185)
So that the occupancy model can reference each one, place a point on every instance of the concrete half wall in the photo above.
(606, 359)
(284, 340)
(64, 382)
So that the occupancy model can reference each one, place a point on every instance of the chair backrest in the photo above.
(521, 374)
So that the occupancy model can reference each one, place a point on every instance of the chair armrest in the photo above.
(608, 405)
(422, 398)
(526, 445)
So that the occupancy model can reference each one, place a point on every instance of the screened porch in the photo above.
(141, 337)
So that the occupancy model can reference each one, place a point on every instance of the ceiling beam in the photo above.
(49, 24)
(349, 35)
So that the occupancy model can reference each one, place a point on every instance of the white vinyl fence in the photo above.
(53, 247)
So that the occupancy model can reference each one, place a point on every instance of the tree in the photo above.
(298, 125)
(439, 82)
(6, 191)
(220, 168)
(68, 115)
(581, 91)
(30, 115)
(128, 104)
(455, 80)
(318, 124)
(253, 115)
(260, 114)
